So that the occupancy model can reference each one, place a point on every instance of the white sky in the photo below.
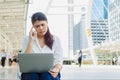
(58, 24)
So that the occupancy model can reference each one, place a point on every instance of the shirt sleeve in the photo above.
(25, 42)
(58, 53)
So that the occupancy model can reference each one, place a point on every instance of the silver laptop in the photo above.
(35, 62)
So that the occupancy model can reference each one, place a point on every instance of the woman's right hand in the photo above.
(32, 34)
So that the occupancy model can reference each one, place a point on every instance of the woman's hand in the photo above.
(54, 72)
(32, 34)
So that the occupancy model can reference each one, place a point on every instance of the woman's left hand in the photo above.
(54, 72)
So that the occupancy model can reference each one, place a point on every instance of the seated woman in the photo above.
(41, 40)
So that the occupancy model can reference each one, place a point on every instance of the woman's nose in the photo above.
(41, 27)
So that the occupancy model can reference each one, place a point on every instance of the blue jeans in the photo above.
(39, 76)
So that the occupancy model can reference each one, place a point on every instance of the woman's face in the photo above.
(41, 27)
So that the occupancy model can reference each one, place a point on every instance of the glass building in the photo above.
(114, 20)
(79, 32)
(99, 9)
(105, 9)
(99, 31)
(99, 21)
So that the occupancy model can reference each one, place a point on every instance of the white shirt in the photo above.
(56, 48)
(3, 54)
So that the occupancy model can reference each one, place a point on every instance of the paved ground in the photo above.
(91, 73)
(72, 72)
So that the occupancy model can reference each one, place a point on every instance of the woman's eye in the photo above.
(37, 26)
(42, 24)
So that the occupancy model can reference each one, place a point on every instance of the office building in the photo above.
(114, 20)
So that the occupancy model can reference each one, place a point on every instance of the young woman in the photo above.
(41, 40)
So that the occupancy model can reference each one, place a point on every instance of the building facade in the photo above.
(99, 21)
(79, 32)
(114, 20)
(100, 31)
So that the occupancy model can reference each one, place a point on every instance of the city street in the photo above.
(72, 72)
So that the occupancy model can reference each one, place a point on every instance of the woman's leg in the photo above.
(58, 77)
(30, 76)
(3, 61)
(48, 76)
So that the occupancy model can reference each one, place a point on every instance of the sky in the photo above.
(58, 24)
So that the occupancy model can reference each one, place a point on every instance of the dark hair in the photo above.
(39, 16)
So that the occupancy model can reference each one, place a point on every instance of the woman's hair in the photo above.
(39, 16)
(3, 50)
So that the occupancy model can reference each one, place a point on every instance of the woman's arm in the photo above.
(58, 55)
(28, 45)
(57, 58)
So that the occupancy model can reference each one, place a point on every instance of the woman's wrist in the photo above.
(31, 41)
(58, 68)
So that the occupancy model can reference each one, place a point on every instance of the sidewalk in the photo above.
(72, 72)
(85, 72)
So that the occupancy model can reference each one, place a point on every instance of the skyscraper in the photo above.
(99, 9)
(99, 21)
(114, 20)
(105, 9)
(79, 31)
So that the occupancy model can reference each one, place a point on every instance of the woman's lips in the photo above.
(42, 32)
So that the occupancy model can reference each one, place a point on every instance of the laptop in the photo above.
(35, 62)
